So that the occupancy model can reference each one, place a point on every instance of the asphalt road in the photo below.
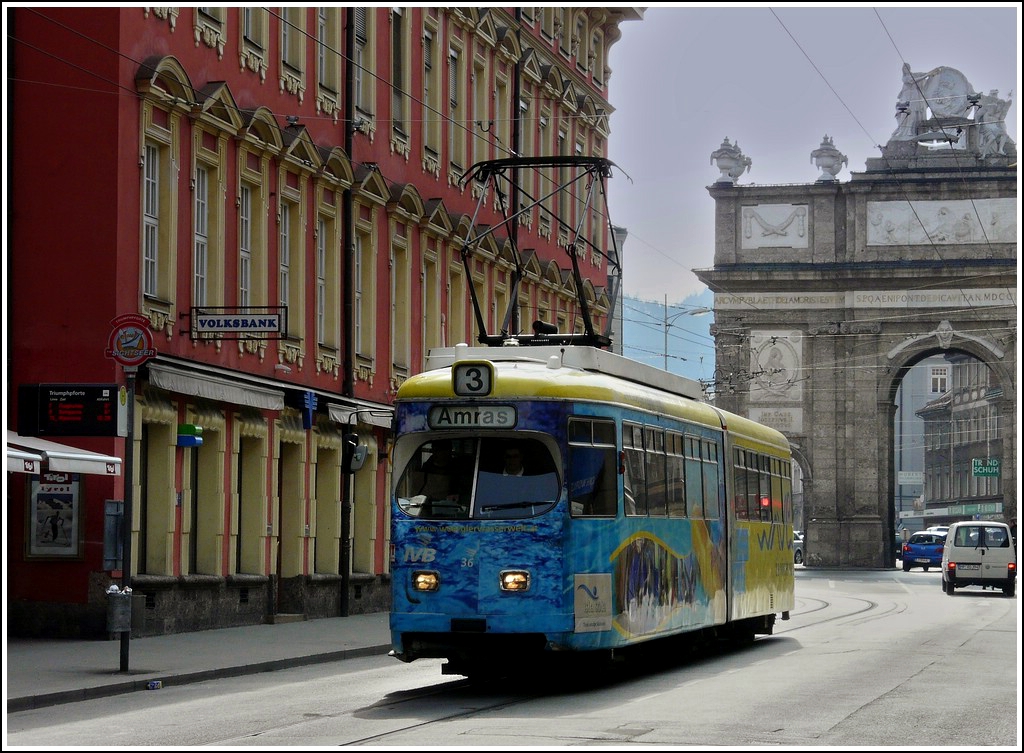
(868, 659)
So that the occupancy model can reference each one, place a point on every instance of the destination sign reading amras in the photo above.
(472, 417)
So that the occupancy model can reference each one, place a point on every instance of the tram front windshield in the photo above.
(472, 478)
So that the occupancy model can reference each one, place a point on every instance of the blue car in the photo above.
(923, 549)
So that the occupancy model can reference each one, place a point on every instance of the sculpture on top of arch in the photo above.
(940, 106)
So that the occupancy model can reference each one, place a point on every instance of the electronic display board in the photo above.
(68, 410)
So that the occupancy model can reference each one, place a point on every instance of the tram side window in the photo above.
(675, 475)
(753, 485)
(654, 451)
(739, 478)
(777, 509)
(765, 491)
(633, 480)
(709, 456)
(694, 479)
(787, 490)
(593, 468)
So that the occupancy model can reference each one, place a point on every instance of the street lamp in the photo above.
(698, 311)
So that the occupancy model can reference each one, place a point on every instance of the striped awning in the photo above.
(34, 455)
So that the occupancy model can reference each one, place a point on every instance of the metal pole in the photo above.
(126, 521)
(666, 332)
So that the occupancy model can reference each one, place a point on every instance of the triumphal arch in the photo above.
(827, 293)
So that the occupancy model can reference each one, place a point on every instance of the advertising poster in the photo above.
(54, 516)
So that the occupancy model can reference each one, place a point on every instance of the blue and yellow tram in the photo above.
(552, 499)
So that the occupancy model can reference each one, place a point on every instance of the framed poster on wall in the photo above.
(55, 517)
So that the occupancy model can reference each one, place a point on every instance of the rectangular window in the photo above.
(363, 62)
(328, 30)
(694, 478)
(481, 115)
(634, 484)
(593, 468)
(457, 296)
(432, 107)
(286, 35)
(323, 44)
(675, 476)
(397, 71)
(151, 222)
(579, 193)
(654, 461)
(321, 280)
(502, 121)
(200, 258)
(245, 247)
(528, 131)
(709, 458)
(293, 38)
(456, 121)
(401, 308)
(765, 490)
(939, 379)
(563, 178)
(739, 478)
(284, 258)
(358, 303)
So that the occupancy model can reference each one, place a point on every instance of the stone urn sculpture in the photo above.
(730, 161)
(828, 159)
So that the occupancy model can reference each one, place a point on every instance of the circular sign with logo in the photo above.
(131, 342)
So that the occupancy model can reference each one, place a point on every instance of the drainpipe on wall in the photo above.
(348, 293)
(515, 326)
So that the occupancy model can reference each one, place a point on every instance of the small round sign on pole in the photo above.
(130, 344)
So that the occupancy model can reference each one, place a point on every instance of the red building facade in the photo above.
(298, 166)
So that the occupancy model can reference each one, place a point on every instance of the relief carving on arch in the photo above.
(898, 223)
(776, 361)
(774, 225)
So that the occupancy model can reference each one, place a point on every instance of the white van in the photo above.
(979, 553)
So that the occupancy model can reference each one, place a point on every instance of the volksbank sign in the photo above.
(234, 322)
(238, 324)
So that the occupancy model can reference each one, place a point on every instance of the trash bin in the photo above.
(119, 612)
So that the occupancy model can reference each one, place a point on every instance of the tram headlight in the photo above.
(514, 580)
(425, 580)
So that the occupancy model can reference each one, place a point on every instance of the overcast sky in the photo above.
(776, 79)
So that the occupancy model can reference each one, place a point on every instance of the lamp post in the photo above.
(668, 320)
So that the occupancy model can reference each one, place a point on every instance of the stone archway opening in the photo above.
(947, 452)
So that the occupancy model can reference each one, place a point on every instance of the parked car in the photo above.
(798, 547)
(923, 549)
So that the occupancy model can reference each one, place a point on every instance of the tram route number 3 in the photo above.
(473, 379)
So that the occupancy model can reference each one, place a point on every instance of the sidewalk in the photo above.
(44, 672)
